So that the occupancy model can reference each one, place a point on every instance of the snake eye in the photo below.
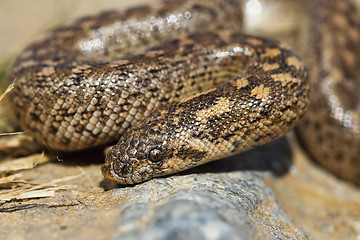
(155, 155)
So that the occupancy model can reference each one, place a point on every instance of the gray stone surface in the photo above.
(207, 206)
(221, 200)
(226, 199)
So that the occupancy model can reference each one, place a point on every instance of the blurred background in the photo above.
(23, 20)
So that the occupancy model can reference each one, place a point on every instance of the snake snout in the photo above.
(117, 166)
(123, 165)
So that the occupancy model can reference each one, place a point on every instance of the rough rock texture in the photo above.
(220, 200)
(324, 206)
(215, 201)
(208, 206)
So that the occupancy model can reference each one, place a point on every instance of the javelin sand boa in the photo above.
(181, 86)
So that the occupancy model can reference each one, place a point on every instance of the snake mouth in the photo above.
(108, 172)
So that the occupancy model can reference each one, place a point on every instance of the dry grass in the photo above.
(8, 89)
(13, 186)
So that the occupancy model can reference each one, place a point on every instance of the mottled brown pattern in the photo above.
(181, 86)
(330, 131)
(235, 119)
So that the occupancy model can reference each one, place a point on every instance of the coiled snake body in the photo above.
(183, 87)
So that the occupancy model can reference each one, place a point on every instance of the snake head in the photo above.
(152, 148)
(138, 156)
(128, 165)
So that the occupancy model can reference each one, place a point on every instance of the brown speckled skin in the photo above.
(330, 131)
(92, 80)
(258, 105)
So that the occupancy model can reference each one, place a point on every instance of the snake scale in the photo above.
(178, 84)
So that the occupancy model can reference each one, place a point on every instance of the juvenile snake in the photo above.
(181, 86)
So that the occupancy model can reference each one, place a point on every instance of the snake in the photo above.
(180, 83)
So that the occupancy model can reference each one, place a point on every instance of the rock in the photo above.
(216, 201)
(226, 199)
(207, 206)
(219, 200)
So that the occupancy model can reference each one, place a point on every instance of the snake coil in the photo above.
(181, 86)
